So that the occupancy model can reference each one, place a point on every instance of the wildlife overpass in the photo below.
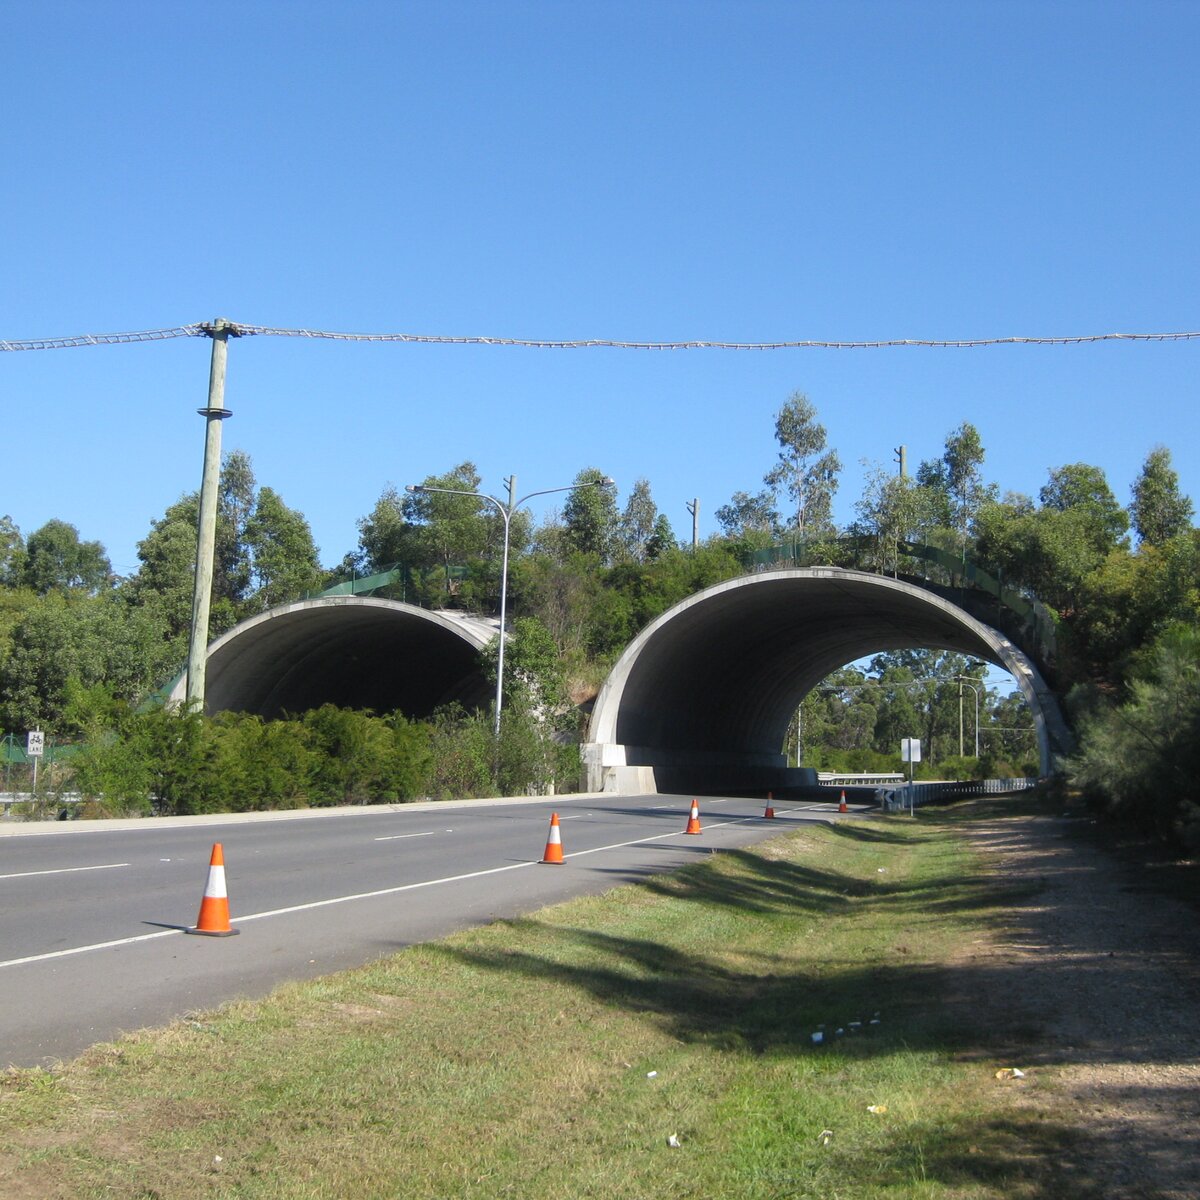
(699, 702)
(350, 651)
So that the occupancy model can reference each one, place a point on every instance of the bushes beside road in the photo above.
(177, 763)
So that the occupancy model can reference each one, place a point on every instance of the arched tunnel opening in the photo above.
(349, 651)
(701, 700)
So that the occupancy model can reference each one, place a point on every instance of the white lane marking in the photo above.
(397, 837)
(141, 937)
(392, 891)
(64, 871)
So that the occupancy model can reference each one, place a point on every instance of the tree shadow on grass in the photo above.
(765, 885)
(972, 1007)
(862, 831)
(1020, 1154)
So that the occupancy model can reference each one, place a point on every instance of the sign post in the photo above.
(35, 747)
(910, 752)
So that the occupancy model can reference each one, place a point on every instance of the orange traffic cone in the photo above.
(213, 920)
(693, 825)
(842, 806)
(554, 852)
(769, 815)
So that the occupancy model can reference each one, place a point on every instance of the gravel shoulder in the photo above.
(1091, 983)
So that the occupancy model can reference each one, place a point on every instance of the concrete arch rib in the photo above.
(352, 651)
(701, 699)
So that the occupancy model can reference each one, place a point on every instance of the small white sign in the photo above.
(35, 743)
(910, 749)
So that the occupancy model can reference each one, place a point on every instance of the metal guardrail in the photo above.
(49, 801)
(897, 799)
(857, 779)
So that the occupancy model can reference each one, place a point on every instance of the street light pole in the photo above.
(961, 681)
(506, 514)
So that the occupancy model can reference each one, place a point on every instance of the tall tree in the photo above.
(163, 582)
(235, 505)
(957, 475)
(384, 536)
(450, 531)
(167, 554)
(894, 509)
(590, 518)
(750, 518)
(1083, 491)
(1159, 510)
(281, 549)
(12, 553)
(56, 560)
(661, 539)
(637, 521)
(806, 471)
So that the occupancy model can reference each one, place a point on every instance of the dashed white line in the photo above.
(64, 871)
(392, 891)
(399, 837)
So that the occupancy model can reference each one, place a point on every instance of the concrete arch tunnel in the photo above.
(351, 651)
(701, 700)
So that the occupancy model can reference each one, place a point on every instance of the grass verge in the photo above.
(557, 1055)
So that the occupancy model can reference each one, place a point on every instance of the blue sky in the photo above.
(649, 171)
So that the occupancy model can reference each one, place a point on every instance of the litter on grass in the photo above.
(824, 1136)
(673, 1142)
(1010, 1073)
(877, 1108)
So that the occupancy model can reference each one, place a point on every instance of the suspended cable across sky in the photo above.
(205, 329)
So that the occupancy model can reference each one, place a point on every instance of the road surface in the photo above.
(92, 917)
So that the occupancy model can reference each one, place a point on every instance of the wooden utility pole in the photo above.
(206, 532)
(694, 508)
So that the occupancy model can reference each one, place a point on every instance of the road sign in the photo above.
(35, 744)
(910, 750)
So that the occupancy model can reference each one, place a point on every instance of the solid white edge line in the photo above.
(141, 937)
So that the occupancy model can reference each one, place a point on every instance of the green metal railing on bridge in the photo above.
(1038, 628)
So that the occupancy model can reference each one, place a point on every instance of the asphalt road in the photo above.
(92, 920)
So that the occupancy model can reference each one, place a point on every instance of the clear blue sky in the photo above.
(741, 171)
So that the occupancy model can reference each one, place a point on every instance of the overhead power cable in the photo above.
(204, 329)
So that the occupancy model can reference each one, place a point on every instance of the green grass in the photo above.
(516, 1060)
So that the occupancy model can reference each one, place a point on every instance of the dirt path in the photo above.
(1093, 985)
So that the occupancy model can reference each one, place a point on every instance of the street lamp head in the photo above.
(413, 487)
(607, 481)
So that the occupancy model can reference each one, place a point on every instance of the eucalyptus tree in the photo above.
(662, 538)
(894, 509)
(12, 553)
(590, 519)
(449, 531)
(56, 560)
(637, 523)
(384, 535)
(283, 558)
(1082, 490)
(750, 518)
(1159, 510)
(807, 471)
(955, 482)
